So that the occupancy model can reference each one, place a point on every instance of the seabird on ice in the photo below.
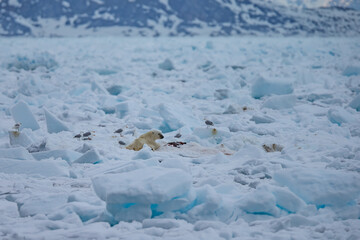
(119, 130)
(86, 134)
(209, 123)
(17, 126)
(77, 136)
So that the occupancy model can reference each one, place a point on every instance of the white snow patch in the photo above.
(44, 168)
(18, 153)
(134, 195)
(91, 156)
(263, 87)
(54, 125)
(280, 102)
(321, 187)
(14, 3)
(23, 115)
(67, 155)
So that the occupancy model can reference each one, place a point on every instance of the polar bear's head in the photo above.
(157, 134)
(152, 136)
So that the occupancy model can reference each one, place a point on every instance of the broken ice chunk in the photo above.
(280, 102)
(262, 119)
(54, 125)
(22, 114)
(67, 155)
(355, 103)
(322, 187)
(141, 193)
(263, 87)
(45, 168)
(166, 65)
(20, 138)
(18, 153)
(340, 116)
(89, 157)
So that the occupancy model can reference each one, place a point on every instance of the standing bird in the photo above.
(78, 136)
(86, 134)
(119, 131)
(209, 123)
(17, 126)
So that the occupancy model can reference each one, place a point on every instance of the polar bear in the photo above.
(147, 138)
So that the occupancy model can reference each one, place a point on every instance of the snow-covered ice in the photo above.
(23, 115)
(281, 159)
(262, 87)
(355, 103)
(67, 155)
(20, 138)
(280, 102)
(90, 156)
(53, 124)
(19, 153)
(46, 168)
(321, 188)
(143, 193)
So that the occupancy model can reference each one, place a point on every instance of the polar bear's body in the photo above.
(147, 138)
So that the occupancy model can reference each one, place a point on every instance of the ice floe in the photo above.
(263, 87)
(139, 194)
(23, 115)
(18, 153)
(54, 125)
(44, 168)
(321, 187)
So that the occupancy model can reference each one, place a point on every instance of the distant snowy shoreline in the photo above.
(154, 18)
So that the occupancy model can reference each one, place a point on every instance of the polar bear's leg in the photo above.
(154, 146)
(137, 145)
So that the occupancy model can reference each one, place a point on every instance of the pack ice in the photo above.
(261, 137)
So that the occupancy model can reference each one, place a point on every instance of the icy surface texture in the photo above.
(356, 103)
(22, 114)
(31, 63)
(20, 138)
(16, 153)
(39, 205)
(90, 156)
(340, 116)
(351, 71)
(321, 187)
(279, 164)
(45, 168)
(262, 119)
(280, 102)
(67, 155)
(54, 125)
(139, 194)
(166, 65)
(263, 87)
